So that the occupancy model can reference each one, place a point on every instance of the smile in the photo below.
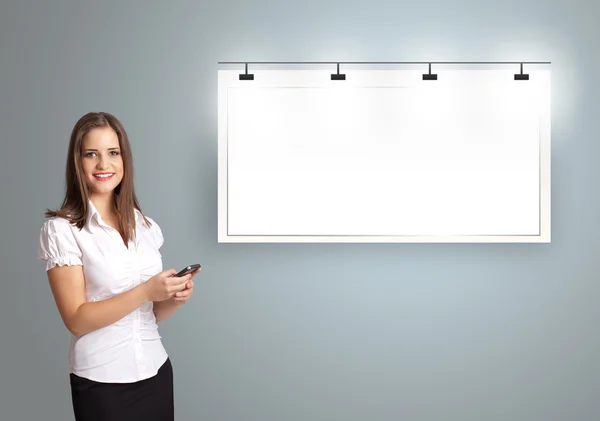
(104, 176)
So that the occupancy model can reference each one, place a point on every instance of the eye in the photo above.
(114, 153)
(90, 154)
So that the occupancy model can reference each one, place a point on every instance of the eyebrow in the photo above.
(96, 150)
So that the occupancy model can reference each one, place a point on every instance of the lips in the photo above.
(104, 176)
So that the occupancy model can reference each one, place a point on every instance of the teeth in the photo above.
(103, 175)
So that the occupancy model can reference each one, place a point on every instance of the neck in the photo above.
(105, 204)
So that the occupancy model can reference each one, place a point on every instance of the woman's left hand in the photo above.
(183, 296)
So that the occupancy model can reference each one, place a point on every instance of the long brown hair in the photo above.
(75, 204)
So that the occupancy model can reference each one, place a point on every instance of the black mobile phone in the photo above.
(187, 270)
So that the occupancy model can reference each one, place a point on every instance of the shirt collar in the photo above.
(94, 220)
(93, 216)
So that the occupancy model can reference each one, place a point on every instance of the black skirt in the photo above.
(148, 400)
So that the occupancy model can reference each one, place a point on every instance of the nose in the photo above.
(102, 163)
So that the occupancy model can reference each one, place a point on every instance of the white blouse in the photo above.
(130, 349)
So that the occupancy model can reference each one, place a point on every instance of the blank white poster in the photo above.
(386, 158)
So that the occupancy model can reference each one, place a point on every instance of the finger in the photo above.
(185, 280)
(176, 288)
(169, 272)
(182, 295)
(185, 293)
(179, 280)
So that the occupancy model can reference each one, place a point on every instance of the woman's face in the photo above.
(101, 160)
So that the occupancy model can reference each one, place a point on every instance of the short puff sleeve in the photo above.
(57, 244)
(157, 234)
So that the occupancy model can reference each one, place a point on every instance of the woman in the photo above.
(105, 272)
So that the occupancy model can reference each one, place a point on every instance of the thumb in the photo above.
(169, 272)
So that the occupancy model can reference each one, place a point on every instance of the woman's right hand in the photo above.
(163, 286)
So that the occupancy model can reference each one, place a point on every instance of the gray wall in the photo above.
(314, 332)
